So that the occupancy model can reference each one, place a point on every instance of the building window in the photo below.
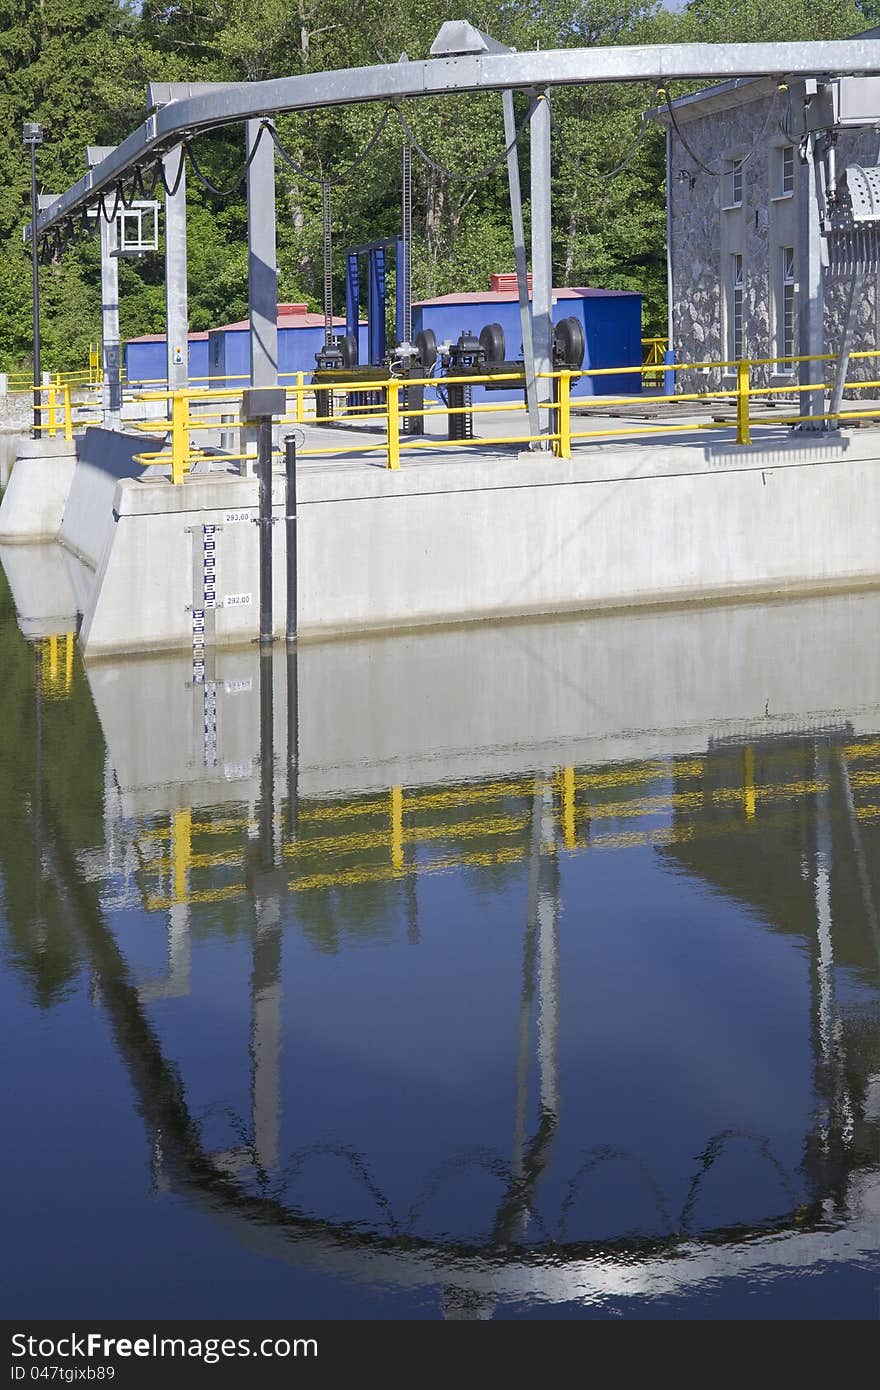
(733, 185)
(735, 309)
(784, 171)
(786, 306)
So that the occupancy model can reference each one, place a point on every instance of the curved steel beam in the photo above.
(227, 104)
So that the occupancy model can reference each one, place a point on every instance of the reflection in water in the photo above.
(552, 949)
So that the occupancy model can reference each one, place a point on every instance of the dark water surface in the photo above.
(527, 971)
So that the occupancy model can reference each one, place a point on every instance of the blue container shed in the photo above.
(612, 323)
(300, 336)
(145, 359)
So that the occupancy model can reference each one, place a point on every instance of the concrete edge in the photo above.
(727, 598)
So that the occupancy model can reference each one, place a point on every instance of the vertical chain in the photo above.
(404, 290)
(327, 232)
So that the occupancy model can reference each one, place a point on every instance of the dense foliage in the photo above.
(80, 68)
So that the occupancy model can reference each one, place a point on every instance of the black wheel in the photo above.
(492, 342)
(426, 346)
(349, 350)
(570, 343)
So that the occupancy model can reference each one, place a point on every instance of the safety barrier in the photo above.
(22, 383)
(60, 415)
(654, 360)
(388, 413)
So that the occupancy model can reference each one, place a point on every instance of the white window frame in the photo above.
(736, 338)
(732, 183)
(786, 292)
(782, 154)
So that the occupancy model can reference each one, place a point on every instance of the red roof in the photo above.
(160, 337)
(285, 320)
(510, 296)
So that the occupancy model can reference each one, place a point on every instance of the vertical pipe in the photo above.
(176, 300)
(290, 530)
(264, 465)
(35, 278)
(519, 252)
(542, 260)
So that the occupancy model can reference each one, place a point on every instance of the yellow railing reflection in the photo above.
(380, 839)
(55, 666)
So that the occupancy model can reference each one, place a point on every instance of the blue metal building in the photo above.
(145, 359)
(612, 322)
(300, 336)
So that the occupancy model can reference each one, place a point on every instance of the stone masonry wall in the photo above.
(701, 240)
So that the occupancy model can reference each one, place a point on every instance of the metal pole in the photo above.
(35, 272)
(519, 253)
(542, 260)
(290, 531)
(264, 465)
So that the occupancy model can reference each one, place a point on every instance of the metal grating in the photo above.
(856, 249)
(854, 234)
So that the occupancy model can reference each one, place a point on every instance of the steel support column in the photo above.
(176, 302)
(811, 295)
(262, 269)
(542, 263)
(519, 252)
(111, 392)
(262, 277)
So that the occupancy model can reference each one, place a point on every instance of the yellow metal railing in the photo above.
(184, 414)
(653, 355)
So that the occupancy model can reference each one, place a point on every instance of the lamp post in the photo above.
(33, 136)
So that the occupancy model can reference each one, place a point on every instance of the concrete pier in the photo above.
(36, 494)
(453, 536)
(474, 702)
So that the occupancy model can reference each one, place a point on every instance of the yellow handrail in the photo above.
(191, 409)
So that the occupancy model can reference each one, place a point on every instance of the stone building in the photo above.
(737, 187)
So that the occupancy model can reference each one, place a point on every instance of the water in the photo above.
(510, 972)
